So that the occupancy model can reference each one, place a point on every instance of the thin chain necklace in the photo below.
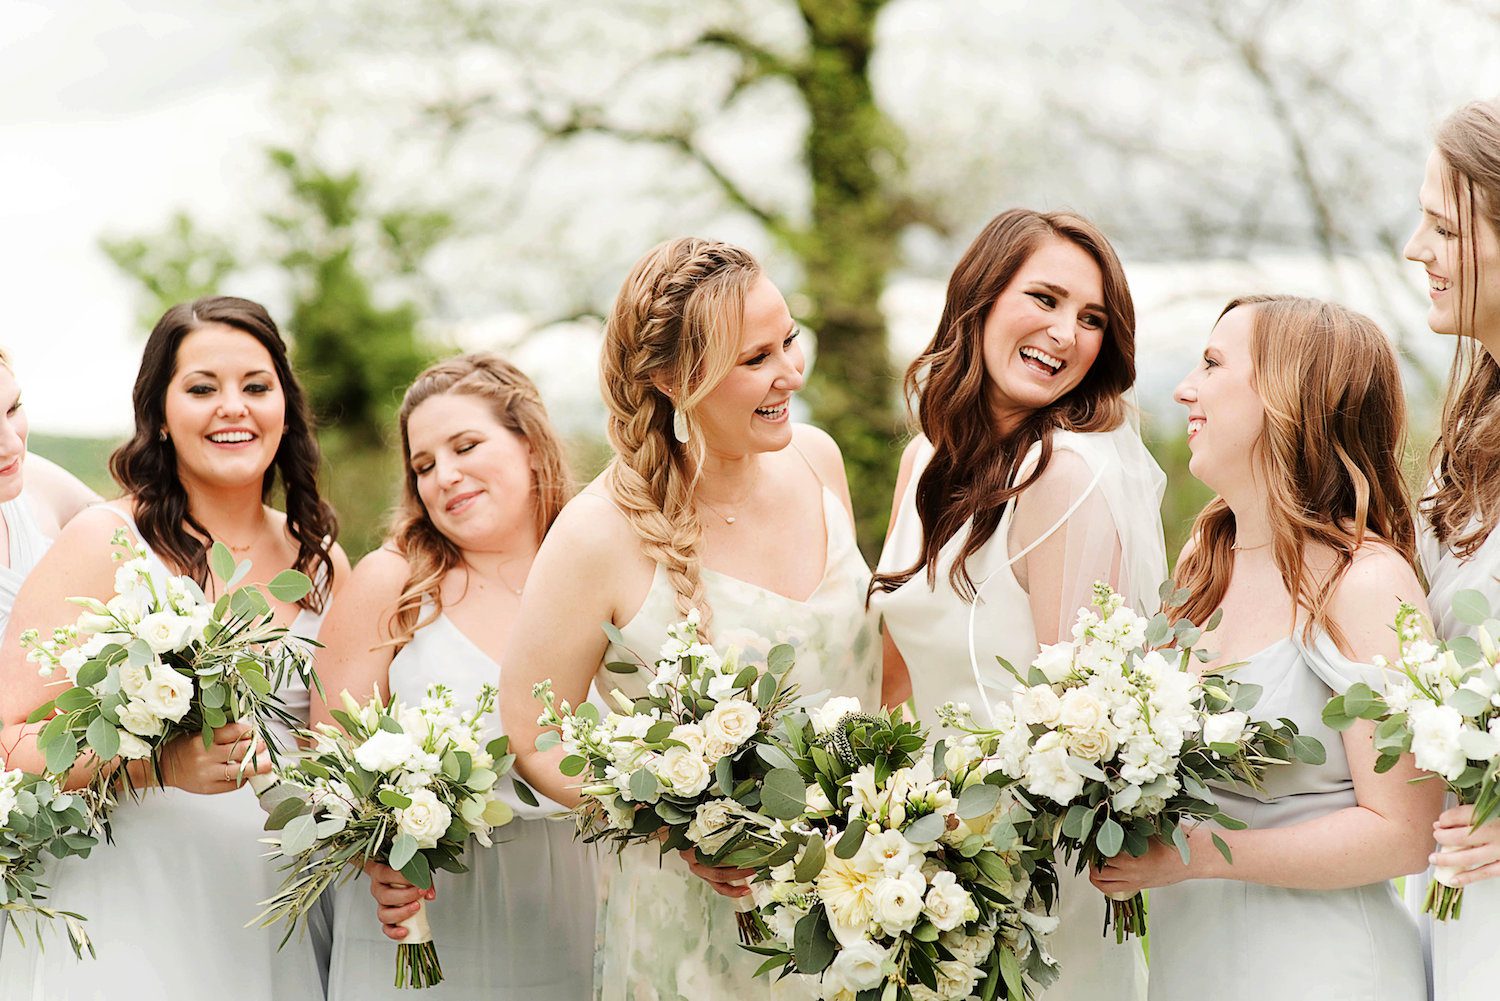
(728, 519)
(1245, 549)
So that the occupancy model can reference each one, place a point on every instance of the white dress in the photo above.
(1258, 942)
(168, 901)
(664, 933)
(931, 628)
(1465, 960)
(27, 544)
(519, 926)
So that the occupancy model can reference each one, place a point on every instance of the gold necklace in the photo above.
(1245, 549)
(729, 519)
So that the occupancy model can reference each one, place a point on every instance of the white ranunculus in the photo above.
(132, 747)
(1055, 661)
(1081, 709)
(948, 905)
(426, 819)
(1037, 705)
(1048, 772)
(135, 717)
(167, 693)
(1225, 728)
(898, 901)
(1435, 739)
(684, 771)
(708, 827)
(165, 632)
(825, 717)
(385, 751)
(817, 799)
(859, 967)
(731, 722)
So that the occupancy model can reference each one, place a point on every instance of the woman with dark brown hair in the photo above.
(1296, 419)
(1458, 243)
(485, 478)
(220, 424)
(1027, 483)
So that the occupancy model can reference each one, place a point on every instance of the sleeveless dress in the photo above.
(664, 934)
(167, 902)
(519, 925)
(1465, 961)
(930, 626)
(1257, 942)
(27, 544)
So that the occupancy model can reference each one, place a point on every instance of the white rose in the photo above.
(859, 967)
(427, 819)
(684, 771)
(385, 751)
(1080, 709)
(132, 747)
(1048, 772)
(825, 717)
(732, 722)
(165, 631)
(817, 800)
(898, 901)
(1225, 728)
(1435, 739)
(1037, 705)
(133, 677)
(690, 734)
(956, 980)
(135, 717)
(1089, 745)
(167, 693)
(708, 828)
(1055, 661)
(948, 905)
(971, 949)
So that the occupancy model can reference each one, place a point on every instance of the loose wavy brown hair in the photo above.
(1464, 507)
(518, 407)
(145, 467)
(973, 467)
(1329, 454)
(672, 336)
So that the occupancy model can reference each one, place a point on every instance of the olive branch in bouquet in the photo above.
(159, 660)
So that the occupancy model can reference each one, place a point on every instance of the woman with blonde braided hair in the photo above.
(485, 478)
(704, 507)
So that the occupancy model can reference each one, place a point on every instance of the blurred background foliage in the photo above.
(481, 173)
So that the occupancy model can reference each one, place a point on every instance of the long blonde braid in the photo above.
(672, 336)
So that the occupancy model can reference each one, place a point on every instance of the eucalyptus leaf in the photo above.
(1470, 607)
(811, 863)
(978, 800)
(402, 850)
(926, 829)
(221, 561)
(290, 587)
(783, 795)
(300, 834)
(1111, 837)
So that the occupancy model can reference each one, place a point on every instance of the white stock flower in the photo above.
(130, 606)
(667, 676)
(71, 660)
(731, 722)
(426, 819)
(135, 717)
(165, 632)
(825, 717)
(167, 693)
(948, 905)
(684, 771)
(1435, 739)
(385, 751)
(1048, 772)
(1225, 728)
(898, 901)
(858, 967)
(1055, 661)
(1037, 705)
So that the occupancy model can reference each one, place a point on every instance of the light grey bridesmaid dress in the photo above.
(519, 925)
(1234, 941)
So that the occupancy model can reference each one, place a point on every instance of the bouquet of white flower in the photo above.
(1116, 739)
(1441, 704)
(404, 785)
(677, 765)
(905, 872)
(39, 819)
(159, 660)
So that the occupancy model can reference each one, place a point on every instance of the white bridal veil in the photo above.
(1094, 515)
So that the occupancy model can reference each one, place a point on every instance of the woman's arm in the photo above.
(570, 593)
(353, 658)
(895, 679)
(1386, 834)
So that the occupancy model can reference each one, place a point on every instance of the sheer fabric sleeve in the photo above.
(1094, 515)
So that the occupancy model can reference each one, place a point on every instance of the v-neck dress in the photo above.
(664, 934)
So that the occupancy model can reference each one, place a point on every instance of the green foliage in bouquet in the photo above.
(38, 820)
